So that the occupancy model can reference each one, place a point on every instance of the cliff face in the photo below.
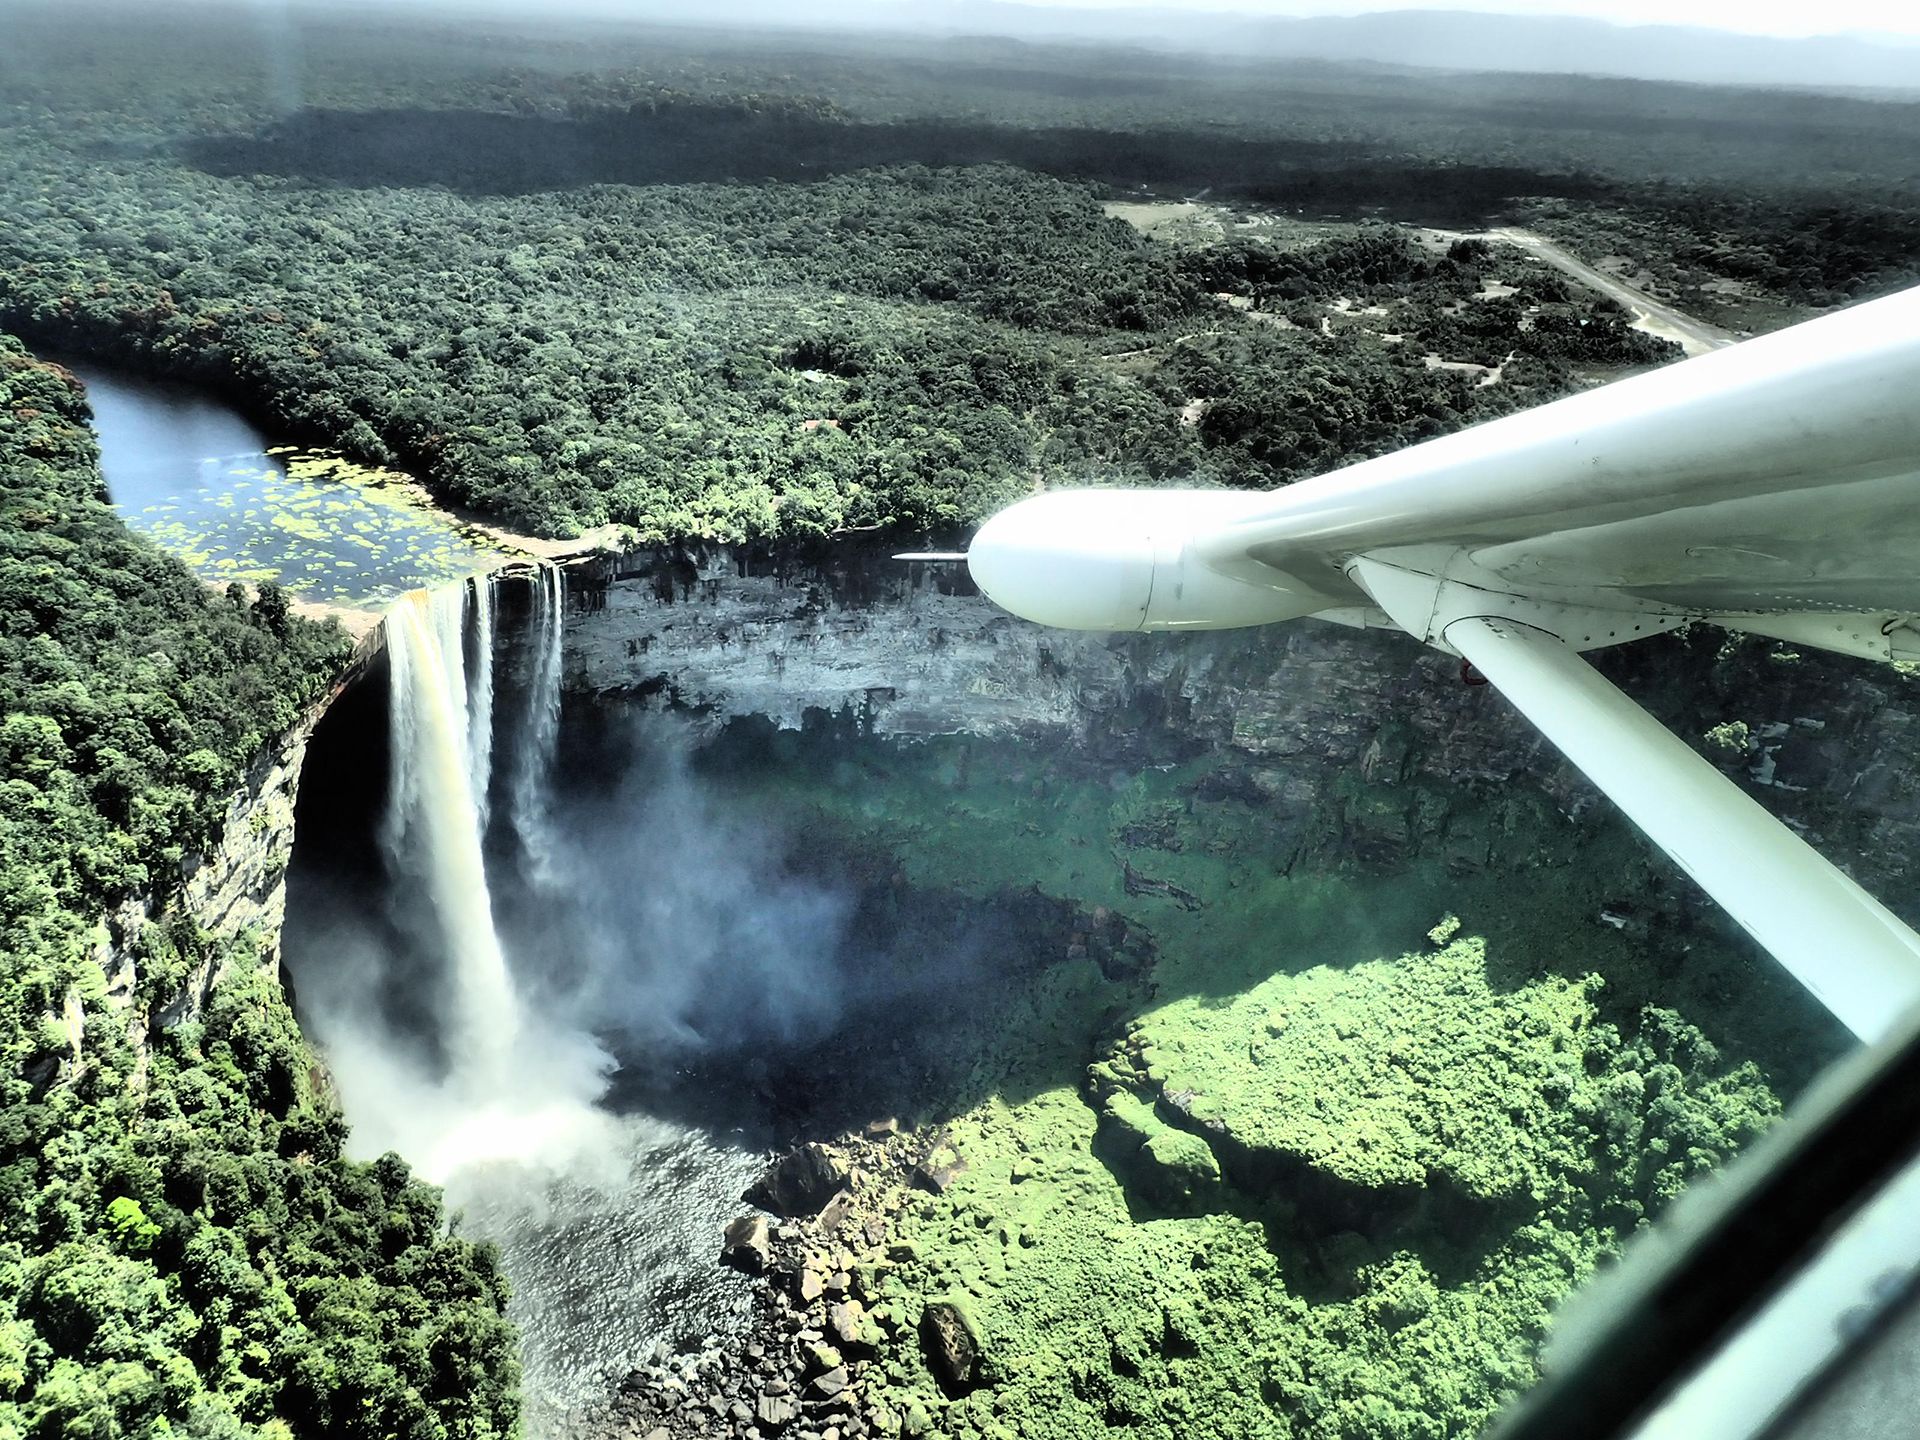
(237, 888)
(1366, 742)
(1365, 729)
(915, 651)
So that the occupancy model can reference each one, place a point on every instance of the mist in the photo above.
(640, 921)
(644, 922)
(436, 1050)
(1541, 39)
(670, 924)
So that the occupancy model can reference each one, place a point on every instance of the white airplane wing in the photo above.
(1776, 472)
(1771, 487)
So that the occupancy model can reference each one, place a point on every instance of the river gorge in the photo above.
(1171, 1012)
(525, 916)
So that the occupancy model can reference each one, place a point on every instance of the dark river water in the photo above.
(613, 1257)
(191, 474)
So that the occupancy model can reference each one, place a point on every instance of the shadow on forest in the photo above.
(489, 153)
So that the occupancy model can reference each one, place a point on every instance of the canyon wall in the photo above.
(238, 887)
(1372, 734)
(1370, 744)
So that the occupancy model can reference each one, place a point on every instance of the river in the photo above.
(190, 473)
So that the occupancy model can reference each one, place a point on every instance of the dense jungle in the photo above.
(664, 291)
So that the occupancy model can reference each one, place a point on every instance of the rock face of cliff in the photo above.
(1361, 734)
(1314, 715)
(238, 887)
(914, 650)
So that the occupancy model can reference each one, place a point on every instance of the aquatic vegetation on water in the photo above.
(326, 529)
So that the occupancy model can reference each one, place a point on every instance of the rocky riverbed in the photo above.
(819, 1246)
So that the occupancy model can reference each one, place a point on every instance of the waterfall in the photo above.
(487, 1076)
(480, 697)
(540, 731)
(510, 1083)
(433, 822)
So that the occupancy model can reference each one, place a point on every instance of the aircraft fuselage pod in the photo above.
(1772, 487)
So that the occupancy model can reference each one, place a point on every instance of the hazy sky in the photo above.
(1897, 21)
(1764, 17)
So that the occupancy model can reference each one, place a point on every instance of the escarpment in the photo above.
(1304, 715)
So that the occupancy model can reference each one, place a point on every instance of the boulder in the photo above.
(850, 1324)
(798, 1184)
(940, 1167)
(831, 1383)
(776, 1411)
(810, 1285)
(835, 1215)
(747, 1245)
(952, 1346)
(1173, 1169)
(1186, 1171)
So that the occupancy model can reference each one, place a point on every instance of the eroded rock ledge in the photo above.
(909, 650)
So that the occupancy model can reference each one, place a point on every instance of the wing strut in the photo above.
(1854, 954)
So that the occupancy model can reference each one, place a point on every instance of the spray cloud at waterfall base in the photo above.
(691, 935)
(495, 917)
(456, 1048)
(494, 1080)
(524, 932)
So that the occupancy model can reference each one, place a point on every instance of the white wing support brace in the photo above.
(1854, 954)
(1772, 487)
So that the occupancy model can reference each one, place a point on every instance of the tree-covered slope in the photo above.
(183, 1248)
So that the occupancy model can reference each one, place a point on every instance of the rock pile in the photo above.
(821, 1316)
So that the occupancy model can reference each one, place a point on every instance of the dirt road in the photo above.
(1696, 337)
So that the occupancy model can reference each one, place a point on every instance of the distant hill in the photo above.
(1541, 44)
(1441, 39)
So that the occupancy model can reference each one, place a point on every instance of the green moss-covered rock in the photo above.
(1175, 1170)
(1391, 1073)
(1184, 1162)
